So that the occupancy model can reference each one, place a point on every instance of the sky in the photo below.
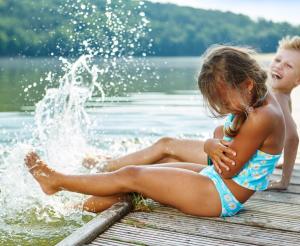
(275, 10)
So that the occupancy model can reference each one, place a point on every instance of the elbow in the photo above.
(293, 139)
(233, 171)
(227, 175)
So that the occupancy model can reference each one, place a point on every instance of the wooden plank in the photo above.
(110, 242)
(296, 171)
(277, 197)
(291, 189)
(287, 209)
(99, 224)
(212, 229)
(270, 206)
(294, 180)
(152, 236)
(297, 164)
(252, 218)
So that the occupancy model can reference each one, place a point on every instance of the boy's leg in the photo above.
(185, 190)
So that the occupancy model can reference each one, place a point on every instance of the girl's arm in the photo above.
(216, 148)
(255, 130)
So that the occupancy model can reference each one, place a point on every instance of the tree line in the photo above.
(54, 27)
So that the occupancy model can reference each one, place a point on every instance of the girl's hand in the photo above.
(216, 149)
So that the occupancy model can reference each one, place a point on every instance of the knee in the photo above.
(165, 144)
(218, 132)
(129, 177)
(130, 171)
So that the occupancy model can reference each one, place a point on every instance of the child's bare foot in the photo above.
(45, 176)
(98, 204)
(91, 161)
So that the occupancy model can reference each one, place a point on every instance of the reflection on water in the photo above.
(21, 83)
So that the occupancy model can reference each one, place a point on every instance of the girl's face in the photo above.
(233, 100)
(285, 70)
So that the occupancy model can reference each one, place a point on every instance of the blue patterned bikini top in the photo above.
(255, 173)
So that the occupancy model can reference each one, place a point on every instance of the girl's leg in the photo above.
(92, 161)
(163, 151)
(183, 165)
(185, 190)
(100, 203)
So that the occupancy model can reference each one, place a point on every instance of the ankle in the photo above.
(58, 179)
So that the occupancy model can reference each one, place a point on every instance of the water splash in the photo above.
(62, 122)
(60, 131)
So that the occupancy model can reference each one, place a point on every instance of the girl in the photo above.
(232, 84)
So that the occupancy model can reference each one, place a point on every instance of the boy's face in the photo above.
(285, 70)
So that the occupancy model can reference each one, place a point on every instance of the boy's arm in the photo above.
(290, 148)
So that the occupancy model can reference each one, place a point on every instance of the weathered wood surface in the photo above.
(96, 226)
(269, 218)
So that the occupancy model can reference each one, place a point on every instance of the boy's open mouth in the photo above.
(276, 75)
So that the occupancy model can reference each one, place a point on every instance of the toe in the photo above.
(31, 159)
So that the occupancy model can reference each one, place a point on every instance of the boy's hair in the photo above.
(290, 43)
(232, 66)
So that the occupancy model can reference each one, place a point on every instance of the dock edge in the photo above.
(96, 226)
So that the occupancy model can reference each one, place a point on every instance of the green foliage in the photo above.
(40, 27)
(140, 203)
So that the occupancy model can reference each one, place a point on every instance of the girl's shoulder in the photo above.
(269, 114)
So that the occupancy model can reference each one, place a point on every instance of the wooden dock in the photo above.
(269, 218)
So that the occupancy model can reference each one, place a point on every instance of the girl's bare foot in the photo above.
(98, 204)
(91, 161)
(46, 177)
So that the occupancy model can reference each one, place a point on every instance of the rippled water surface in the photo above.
(167, 104)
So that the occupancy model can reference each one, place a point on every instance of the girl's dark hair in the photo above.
(231, 66)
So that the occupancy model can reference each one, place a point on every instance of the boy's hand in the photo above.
(277, 185)
(216, 149)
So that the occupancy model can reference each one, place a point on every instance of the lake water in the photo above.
(164, 102)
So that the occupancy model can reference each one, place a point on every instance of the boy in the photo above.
(285, 72)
